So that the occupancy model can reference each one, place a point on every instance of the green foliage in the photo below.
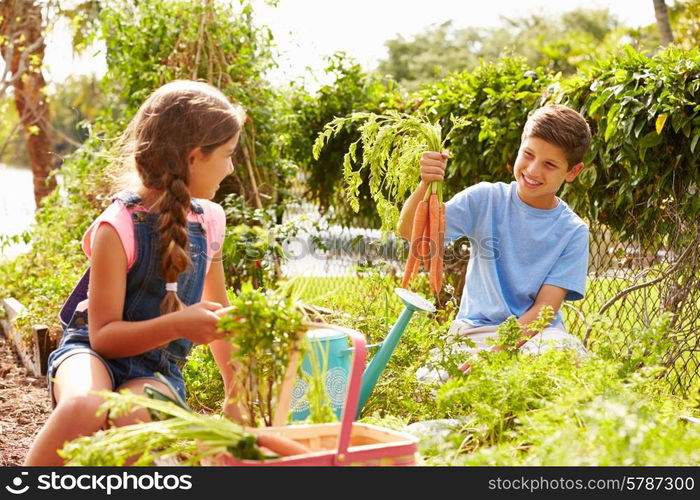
(686, 23)
(185, 435)
(510, 333)
(432, 54)
(74, 106)
(498, 390)
(642, 347)
(205, 387)
(352, 90)
(557, 408)
(392, 144)
(567, 42)
(643, 114)
(14, 147)
(253, 247)
(646, 129)
(264, 330)
(151, 43)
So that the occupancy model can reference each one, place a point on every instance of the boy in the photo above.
(528, 248)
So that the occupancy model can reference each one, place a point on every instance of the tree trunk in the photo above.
(663, 22)
(24, 54)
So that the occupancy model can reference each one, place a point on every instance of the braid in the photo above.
(177, 118)
(173, 238)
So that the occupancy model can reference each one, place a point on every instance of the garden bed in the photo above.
(24, 406)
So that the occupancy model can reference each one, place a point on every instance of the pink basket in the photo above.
(346, 443)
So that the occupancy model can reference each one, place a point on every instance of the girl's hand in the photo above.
(432, 166)
(198, 322)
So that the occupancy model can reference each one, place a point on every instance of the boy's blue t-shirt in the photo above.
(515, 249)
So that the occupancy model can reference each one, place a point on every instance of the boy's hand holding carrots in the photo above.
(428, 228)
(432, 166)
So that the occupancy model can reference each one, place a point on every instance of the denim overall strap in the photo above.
(145, 287)
(80, 291)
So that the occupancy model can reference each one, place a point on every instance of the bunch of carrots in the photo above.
(392, 144)
(427, 239)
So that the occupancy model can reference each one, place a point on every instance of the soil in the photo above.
(24, 406)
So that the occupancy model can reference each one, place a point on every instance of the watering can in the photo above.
(329, 346)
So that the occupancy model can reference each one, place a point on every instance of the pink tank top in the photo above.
(119, 217)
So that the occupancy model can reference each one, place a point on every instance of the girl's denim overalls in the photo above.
(145, 290)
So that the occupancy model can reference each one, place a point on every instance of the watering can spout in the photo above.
(413, 302)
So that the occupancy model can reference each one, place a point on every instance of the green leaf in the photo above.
(694, 142)
(650, 140)
(588, 177)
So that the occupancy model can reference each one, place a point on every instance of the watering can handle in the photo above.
(353, 395)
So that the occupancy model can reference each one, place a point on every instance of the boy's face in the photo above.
(540, 169)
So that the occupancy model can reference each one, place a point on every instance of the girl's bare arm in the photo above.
(110, 335)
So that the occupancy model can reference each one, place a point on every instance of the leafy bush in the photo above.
(205, 387)
(352, 90)
(557, 409)
(646, 129)
(643, 114)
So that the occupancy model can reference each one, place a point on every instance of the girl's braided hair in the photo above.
(177, 118)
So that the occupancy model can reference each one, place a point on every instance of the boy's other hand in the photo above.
(432, 166)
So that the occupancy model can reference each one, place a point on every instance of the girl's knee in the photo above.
(82, 408)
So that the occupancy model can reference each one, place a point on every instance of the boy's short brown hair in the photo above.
(563, 127)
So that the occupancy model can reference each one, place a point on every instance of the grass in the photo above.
(633, 311)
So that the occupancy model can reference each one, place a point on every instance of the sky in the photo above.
(306, 31)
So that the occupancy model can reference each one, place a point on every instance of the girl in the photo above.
(156, 276)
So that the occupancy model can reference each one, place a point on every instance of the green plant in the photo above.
(510, 332)
(264, 330)
(646, 132)
(640, 347)
(253, 248)
(352, 89)
(205, 388)
(392, 144)
(183, 434)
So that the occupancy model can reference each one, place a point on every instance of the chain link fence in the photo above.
(632, 280)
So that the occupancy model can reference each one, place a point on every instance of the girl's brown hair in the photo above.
(175, 119)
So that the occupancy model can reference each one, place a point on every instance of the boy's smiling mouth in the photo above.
(531, 183)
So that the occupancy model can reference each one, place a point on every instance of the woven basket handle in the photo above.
(353, 395)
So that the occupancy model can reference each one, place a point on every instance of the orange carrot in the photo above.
(282, 446)
(419, 221)
(434, 217)
(440, 249)
(424, 245)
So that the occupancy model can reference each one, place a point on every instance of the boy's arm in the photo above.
(432, 168)
(549, 295)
